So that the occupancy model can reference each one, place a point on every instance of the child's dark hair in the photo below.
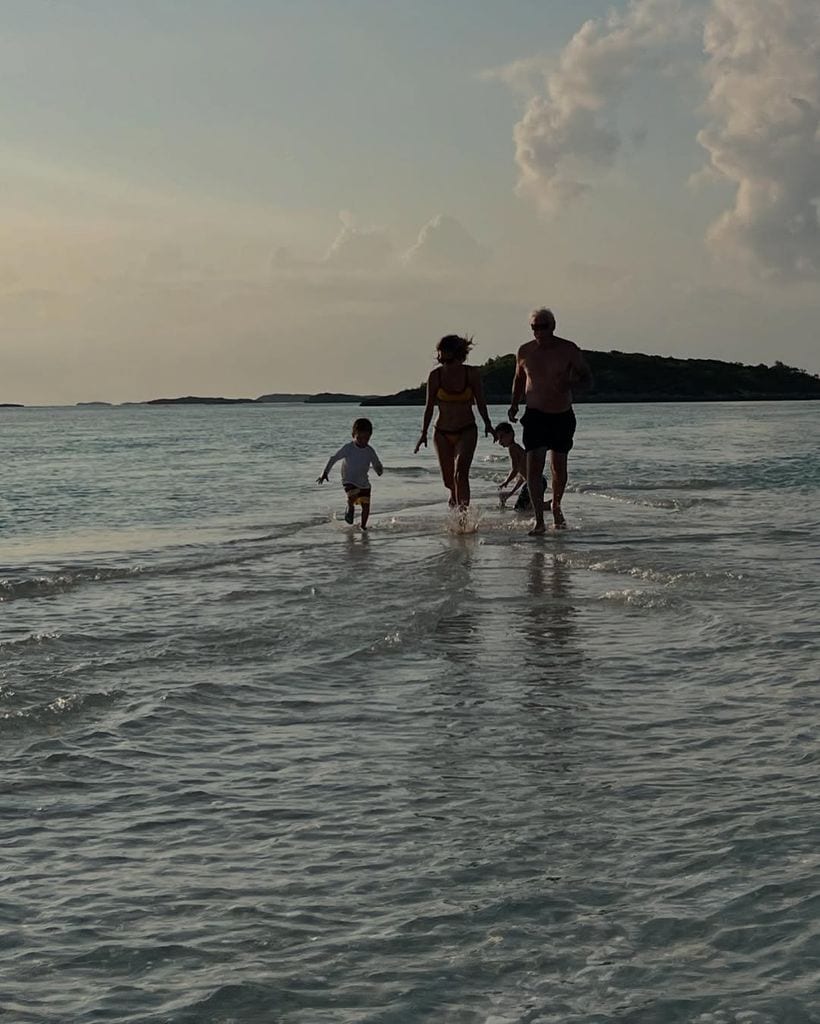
(362, 426)
(453, 347)
(505, 428)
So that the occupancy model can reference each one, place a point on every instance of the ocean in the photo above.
(258, 766)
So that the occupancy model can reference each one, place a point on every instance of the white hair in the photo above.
(543, 314)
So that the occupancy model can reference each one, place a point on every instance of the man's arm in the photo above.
(581, 373)
(519, 385)
(481, 402)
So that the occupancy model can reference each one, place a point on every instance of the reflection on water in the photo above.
(550, 612)
(456, 635)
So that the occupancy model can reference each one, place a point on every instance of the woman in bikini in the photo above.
(454, 386)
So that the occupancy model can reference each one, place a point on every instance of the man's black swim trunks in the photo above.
(553, 430)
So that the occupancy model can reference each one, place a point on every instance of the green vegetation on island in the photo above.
(332, 398)
(635, 377)
(195, 400)
(618, 377)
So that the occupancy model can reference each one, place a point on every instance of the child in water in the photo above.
(357, 457)
(505, 435)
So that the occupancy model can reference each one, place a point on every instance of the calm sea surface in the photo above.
(260, 767)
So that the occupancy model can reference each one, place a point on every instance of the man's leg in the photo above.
(558, 465)
(535, 472)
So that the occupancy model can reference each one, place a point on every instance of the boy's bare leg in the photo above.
(365, 513)
(558, 466)
(535, 485)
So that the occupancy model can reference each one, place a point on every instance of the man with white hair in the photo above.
(546, 370)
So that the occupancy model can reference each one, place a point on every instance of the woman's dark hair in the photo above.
(452, 347)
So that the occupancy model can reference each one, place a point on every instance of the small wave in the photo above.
(57, 711)
(50, 584)
(24, 642)
(640, 598)
(678, 503)
(693, 483)
(665, 577)
(411, 471)
(59, 583)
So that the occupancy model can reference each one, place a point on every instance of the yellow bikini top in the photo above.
(466, 395)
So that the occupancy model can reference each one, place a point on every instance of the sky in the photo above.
(238, 197)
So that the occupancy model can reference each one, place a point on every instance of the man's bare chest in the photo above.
(545, 366)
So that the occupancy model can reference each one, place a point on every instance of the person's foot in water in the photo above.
(558, 518)
(349, 515)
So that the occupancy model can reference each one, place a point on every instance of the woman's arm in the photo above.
(480, 401)
(428, 413)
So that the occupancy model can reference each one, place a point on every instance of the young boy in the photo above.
(357, 457)
(505, 435)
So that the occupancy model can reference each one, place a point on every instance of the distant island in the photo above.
(283, 398)
(634, 377)
(619, 377)
(197, 400)
(325, 398)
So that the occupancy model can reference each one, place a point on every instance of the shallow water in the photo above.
(258, 766)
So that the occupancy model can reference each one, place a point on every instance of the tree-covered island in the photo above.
(634, 377)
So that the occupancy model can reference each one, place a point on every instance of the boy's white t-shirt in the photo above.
(356, 462)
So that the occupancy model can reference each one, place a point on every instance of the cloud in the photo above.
(522, 76)
(763, 133)
(356, 248)
(442, 244)
(445, 244)
(568, 134)
(761, 64)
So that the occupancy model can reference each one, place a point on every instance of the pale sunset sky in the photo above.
(234, 197)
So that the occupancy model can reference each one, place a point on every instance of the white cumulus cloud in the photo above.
(445, 244)
(763, 132)
(358, 248)
(568, 134)
(761, 64)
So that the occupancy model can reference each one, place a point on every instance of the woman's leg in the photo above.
(464, 450)
(445, 449)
